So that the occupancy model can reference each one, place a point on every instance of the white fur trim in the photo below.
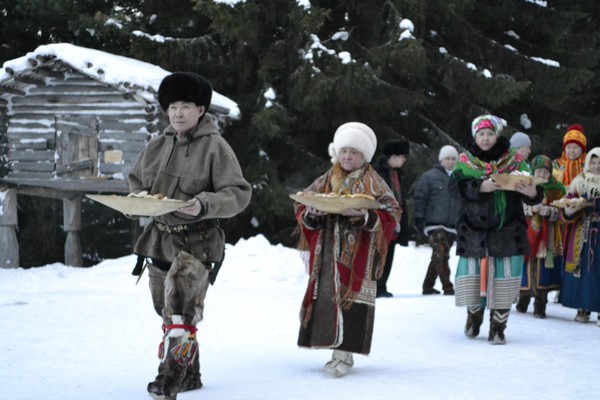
(331, 150)
(431, 228)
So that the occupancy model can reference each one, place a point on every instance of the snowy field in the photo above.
(86, 334)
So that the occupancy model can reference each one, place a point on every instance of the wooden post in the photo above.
(72, 227)
(9, 246)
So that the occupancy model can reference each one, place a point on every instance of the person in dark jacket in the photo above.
(491, 229)
(435, 214)
(388, 166)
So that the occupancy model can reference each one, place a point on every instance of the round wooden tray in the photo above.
(140, 206)
(508, 181)
(335, 205)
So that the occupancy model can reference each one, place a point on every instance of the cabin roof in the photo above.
(123, 73)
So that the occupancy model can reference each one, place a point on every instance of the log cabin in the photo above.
(72, 122)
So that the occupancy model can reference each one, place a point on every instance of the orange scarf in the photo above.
(572, 168)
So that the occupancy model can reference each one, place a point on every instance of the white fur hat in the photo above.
(356, 135)
(447, 151)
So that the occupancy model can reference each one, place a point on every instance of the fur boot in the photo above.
(178, 352)
(524, 299)
(582, 316)
(539, 306)
(498, 320)
(474, 321)
(191, 380)
(340, 363)
(186, 285)
(179, 295)
(156, 280)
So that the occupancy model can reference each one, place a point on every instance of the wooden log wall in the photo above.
(56, 122)
(71, 126)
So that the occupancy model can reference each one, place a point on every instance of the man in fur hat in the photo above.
(388, 166)
(190, 161)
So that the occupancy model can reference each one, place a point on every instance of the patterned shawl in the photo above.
(545, 238)
(469, 167)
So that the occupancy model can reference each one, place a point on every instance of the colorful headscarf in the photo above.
(541, 161)
(553, 190)
(488, 121)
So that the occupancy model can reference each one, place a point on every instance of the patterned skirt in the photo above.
(498, 289)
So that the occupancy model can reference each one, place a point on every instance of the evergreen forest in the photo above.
(416, 70)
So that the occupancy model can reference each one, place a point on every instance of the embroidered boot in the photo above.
(191, 380)
(177, 352)
(340, 363)
(498, 320)
(474, 321)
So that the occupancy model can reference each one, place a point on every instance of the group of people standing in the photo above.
(562, 237)
(513, 243)
(350, 251)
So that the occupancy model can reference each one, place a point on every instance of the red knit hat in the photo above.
(575, 135)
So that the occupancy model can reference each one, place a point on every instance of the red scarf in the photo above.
(395, 178)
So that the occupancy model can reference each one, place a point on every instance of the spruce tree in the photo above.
(299, 72)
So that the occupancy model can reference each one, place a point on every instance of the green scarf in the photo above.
(471, 167)
(553, 189)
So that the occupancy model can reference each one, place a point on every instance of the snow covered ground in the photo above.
(84, 334)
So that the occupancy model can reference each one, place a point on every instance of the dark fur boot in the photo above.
(167, 383)
(474, 321)
(182, 297)
(539, 305)
(191, 379)
(178, 353)
(524, 299)
(498, 320)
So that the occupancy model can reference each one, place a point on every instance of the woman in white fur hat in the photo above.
(347, 251)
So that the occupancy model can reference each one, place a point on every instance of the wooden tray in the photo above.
(335, 205)
(576, 201)
(508, 181)
(141, 206)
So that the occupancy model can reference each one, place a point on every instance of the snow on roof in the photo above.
(109, 68)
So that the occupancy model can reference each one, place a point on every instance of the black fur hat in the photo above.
(396, 147)
(184, 86)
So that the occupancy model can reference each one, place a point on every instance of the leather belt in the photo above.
(209, 223)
